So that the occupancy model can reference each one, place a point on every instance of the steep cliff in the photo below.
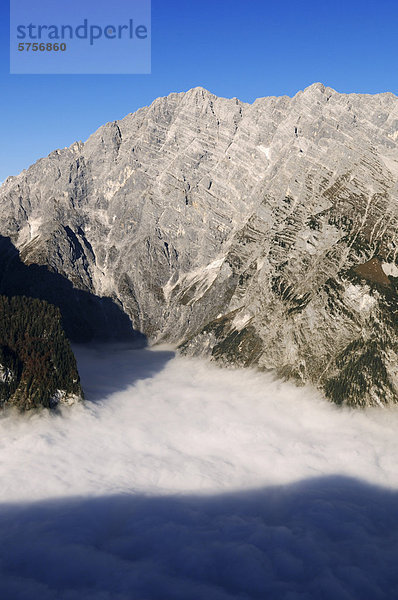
(261, 234)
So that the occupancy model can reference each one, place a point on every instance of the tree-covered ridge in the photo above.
(37, 366)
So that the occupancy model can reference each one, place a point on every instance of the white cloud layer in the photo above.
(180, 480)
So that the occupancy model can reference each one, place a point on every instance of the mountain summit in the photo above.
(258, 234)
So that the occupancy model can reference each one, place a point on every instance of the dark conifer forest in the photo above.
(37, 365)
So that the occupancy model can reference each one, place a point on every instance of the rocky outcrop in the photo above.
(262, 234)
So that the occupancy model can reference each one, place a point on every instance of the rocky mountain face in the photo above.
(258, 234)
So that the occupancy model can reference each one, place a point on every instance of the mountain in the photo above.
(259, 234)
(37, 366)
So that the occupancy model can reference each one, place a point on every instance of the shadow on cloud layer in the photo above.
(101, 377)
(328, 538)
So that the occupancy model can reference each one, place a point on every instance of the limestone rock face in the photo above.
(259, 234)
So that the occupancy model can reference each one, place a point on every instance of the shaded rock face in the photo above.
(85, 316)
(242, 232)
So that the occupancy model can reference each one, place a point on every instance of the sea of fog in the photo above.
(179, 480)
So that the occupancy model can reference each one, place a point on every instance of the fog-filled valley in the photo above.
(198, 301)
(177, 479)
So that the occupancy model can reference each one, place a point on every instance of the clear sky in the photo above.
(243, 49)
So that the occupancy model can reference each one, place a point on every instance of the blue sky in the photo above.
(244, 49)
